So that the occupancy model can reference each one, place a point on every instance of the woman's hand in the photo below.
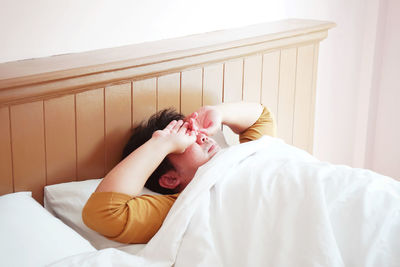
(178, 135)
(206, 120)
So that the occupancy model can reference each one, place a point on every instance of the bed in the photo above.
(65, 119)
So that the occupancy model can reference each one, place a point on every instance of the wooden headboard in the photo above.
(67, 118)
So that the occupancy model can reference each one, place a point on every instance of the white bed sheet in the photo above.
(265, 203)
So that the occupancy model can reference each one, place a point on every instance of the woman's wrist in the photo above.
(239, 116)
(162, 145)
(226, 113)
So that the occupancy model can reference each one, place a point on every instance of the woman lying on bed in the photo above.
(164, 155)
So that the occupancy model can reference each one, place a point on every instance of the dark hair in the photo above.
(141, 134)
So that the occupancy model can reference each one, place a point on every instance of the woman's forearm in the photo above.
(130, 175)
(239, 116)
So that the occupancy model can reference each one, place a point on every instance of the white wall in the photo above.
(357, 83)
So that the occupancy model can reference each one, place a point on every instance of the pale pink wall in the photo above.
(31, 29)
(384, 154)
(358, 88)
(344, 76)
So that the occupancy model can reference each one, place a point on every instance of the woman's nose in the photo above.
(201, 138)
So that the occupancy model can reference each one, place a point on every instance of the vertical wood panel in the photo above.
(6, 183)
(252, 79)
(60, 139)
(233, 81)
(191, 91)
(144, 99)
(212, 84)
(270, 81)
(287, 87)
(313, 90)
(233, 90)
(90, 134)
(118, 122)
(303, 99)
(27, 129)
(168, 89)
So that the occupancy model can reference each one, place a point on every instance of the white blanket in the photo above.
(265, 203)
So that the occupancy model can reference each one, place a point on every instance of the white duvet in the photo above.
(265, 203)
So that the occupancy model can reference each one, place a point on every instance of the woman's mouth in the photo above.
(212, 147)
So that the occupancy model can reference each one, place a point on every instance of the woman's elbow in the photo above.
(108, 220)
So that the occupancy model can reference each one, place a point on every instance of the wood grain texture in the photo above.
(90, 134)
(302, 121)
(6, 175)
(60, 139)
(191, 91)
(168, 91)
(144, 99)
(213, 84)
(117, 122)
(287, 87)
(270, 81)
(29, 164)
(252, 78)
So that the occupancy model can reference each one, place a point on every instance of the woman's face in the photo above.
(194, 156)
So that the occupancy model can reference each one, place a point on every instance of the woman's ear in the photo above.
(169, 180)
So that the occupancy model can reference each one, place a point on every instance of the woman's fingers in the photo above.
(184, 127)
(193, 125)
(204, 131)
(211, 130)
(192, 135)
(177, 126)
(194, 115)
(171, 125)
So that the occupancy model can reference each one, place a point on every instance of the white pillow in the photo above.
(31, 236)
(66, 202)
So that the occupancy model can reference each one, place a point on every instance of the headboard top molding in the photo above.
(27, 80)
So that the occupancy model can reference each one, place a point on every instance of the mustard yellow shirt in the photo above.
(136, 220)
